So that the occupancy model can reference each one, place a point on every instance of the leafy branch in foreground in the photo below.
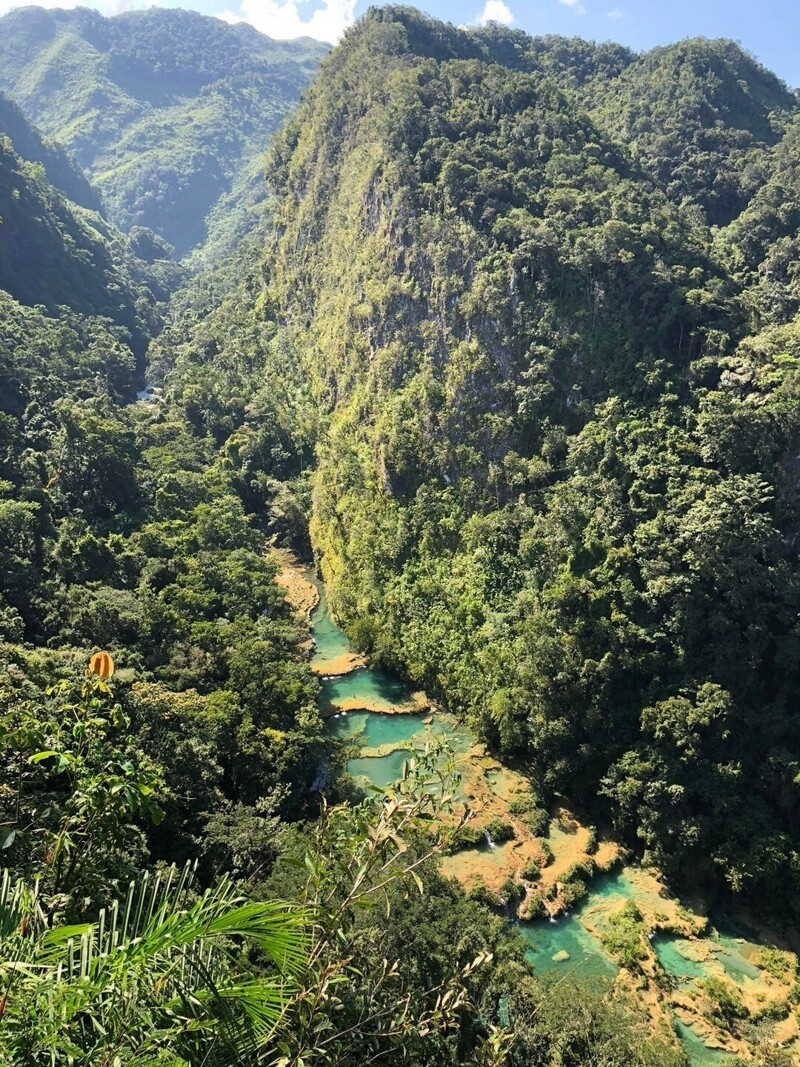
(74, 788)
(359, 1006)
(165, 972)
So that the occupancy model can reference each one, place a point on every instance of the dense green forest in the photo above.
(167, 111)
(514, 357)
(556, 471)
(131, 527)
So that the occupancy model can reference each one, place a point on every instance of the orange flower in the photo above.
(101, 664)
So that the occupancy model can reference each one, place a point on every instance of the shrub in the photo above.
(537, 821)
(626, 938)
(500, 830)
(725, 1003)
(572, 892)
(468, 836)
(776, 963)
(512, 890)
(534, 907)
(483, 895)
(531, 871)
(522, 804)
(773, 1012)
(579, 872)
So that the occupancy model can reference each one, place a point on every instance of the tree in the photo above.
(361, 1006)
(73, 790)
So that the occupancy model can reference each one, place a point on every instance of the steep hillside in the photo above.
(77, 311)
(166, 111)
(554, 476)
(57, 254)
(761, 247)
(121, 527)
(60, 170)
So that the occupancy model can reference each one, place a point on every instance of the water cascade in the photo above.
(383, 719)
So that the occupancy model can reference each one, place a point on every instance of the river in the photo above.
(382, 713)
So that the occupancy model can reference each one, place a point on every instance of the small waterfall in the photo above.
(150, 394)
(488, 837)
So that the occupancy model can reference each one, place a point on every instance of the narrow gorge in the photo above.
(399, 511)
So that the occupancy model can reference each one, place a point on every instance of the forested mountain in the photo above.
(698, 116)
(555, 475)
(516, 357)
(56, 253)
(168, 112)
(60, 170)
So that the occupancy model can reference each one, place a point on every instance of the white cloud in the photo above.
(495, 11)
(614, 13)
(283, 21)
(578, 7)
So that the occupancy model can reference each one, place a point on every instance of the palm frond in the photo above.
(161, 961)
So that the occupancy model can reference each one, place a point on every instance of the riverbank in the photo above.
(582, 907)
(333, 658)
(301, 593)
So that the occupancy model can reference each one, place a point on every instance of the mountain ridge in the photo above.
(166, 110)
(551, 408)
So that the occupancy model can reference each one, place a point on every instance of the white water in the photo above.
(150, 393)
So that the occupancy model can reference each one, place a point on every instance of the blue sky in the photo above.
(769, 28)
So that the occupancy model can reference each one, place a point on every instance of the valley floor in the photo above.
(567, 887)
